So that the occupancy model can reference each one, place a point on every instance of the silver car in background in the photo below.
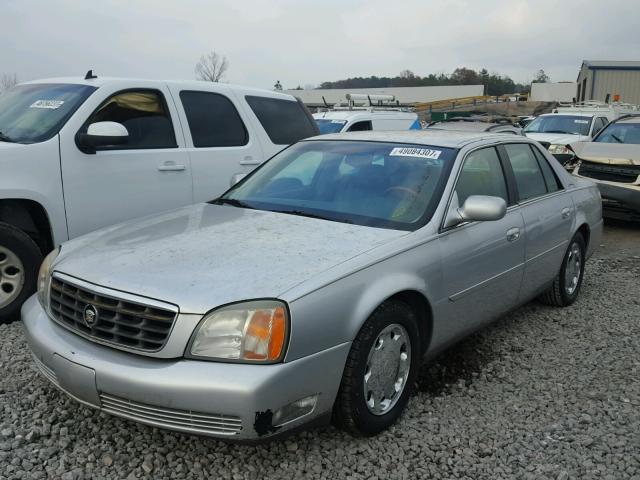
(313, 288)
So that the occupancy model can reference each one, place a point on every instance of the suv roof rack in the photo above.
(376, 102)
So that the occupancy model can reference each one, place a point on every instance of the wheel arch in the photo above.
(31, 217)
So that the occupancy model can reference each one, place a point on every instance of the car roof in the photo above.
(630, 119)
(432, 137)
(188, 84)
(349, 114)
(570, 114)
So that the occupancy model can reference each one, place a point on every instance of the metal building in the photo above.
(618, 79)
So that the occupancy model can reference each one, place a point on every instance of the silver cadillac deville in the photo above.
(313, 288)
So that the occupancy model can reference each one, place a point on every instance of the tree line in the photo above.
(495, 84)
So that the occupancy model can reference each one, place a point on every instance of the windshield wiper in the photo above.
(231, 201)
(301, 213)
(4, 138)
(561, 131)
(616, 138)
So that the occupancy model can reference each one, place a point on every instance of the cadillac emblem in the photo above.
(90, 315)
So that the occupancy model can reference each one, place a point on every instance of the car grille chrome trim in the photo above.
(611, 173)
(120, 322)
(184, 420)
(46, 371)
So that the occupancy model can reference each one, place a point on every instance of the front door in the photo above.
(482, 261)
(149, 174)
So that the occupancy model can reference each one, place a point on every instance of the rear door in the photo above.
(482, 261)
(221, 141)
(548, 215)
(149, 174)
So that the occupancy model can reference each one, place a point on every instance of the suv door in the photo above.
(220, 141)
(482, 261)
(148, 174)
(547, 211)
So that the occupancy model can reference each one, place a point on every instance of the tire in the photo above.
(20, 259)
(354, 409)
(566, 286)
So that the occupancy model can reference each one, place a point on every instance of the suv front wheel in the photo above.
(20, 259)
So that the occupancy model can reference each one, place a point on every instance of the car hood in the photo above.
(203, 256)
(557, 138)
(610, 153)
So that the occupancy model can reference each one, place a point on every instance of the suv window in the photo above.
(550, 177)
(529, 177)
(360, 126)
(213, 120)
(599, 124)
(285, 121)
(145, 115)
(482, 174)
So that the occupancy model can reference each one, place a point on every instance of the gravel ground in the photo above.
(542, 393)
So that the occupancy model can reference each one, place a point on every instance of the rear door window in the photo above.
(285, 121)
(529, 178)
(550, 178)
(213, 120)
(361, 126)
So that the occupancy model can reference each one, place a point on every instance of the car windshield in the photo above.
(386, 185)
(36, 112)
(571, 124)
(620, 133)
(327, 125)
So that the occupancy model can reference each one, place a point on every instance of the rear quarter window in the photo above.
(285, 121)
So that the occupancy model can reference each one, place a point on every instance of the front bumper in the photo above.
(222, 400)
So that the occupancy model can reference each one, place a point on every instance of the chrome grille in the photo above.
(612, 173)
(183, 420)
(121, 323)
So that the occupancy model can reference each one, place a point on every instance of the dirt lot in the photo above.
(542, 393)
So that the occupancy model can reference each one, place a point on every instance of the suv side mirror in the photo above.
(102, 134)
(477, 208)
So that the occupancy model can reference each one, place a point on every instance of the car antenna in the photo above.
(90, 75)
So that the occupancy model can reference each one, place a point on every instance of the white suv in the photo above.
(79, 154)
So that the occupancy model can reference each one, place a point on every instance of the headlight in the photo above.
(559, 149)
(252, 332)
(44, 278)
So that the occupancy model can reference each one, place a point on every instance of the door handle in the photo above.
(171, 167)
(248, 160)
(566, 212)
(513, 234)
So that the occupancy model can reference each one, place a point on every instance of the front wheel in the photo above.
(380, 371)
(20, 259)
(566, 286)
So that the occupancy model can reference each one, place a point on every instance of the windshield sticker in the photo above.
(415, 152)
(337, 121)
(581, 121)
(47, 104)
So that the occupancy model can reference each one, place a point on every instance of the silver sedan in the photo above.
(313, 288)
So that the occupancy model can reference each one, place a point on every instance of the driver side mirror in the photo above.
(102, 134)
(476, 208)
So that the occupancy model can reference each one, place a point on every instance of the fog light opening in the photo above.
(294, 410)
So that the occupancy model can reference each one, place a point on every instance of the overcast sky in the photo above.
(307, 42)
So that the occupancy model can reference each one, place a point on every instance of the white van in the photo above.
(569, 123)
(355, 116)
(79, 154)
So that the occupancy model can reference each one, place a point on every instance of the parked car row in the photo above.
(310, 290)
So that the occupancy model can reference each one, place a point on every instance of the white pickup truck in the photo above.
(79, 154)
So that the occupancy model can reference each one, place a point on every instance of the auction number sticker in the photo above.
(47, 104)
(581, 121)
(415, 152)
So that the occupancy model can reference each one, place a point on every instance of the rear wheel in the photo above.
(380, 371)
(20, 259)
(566, 286)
